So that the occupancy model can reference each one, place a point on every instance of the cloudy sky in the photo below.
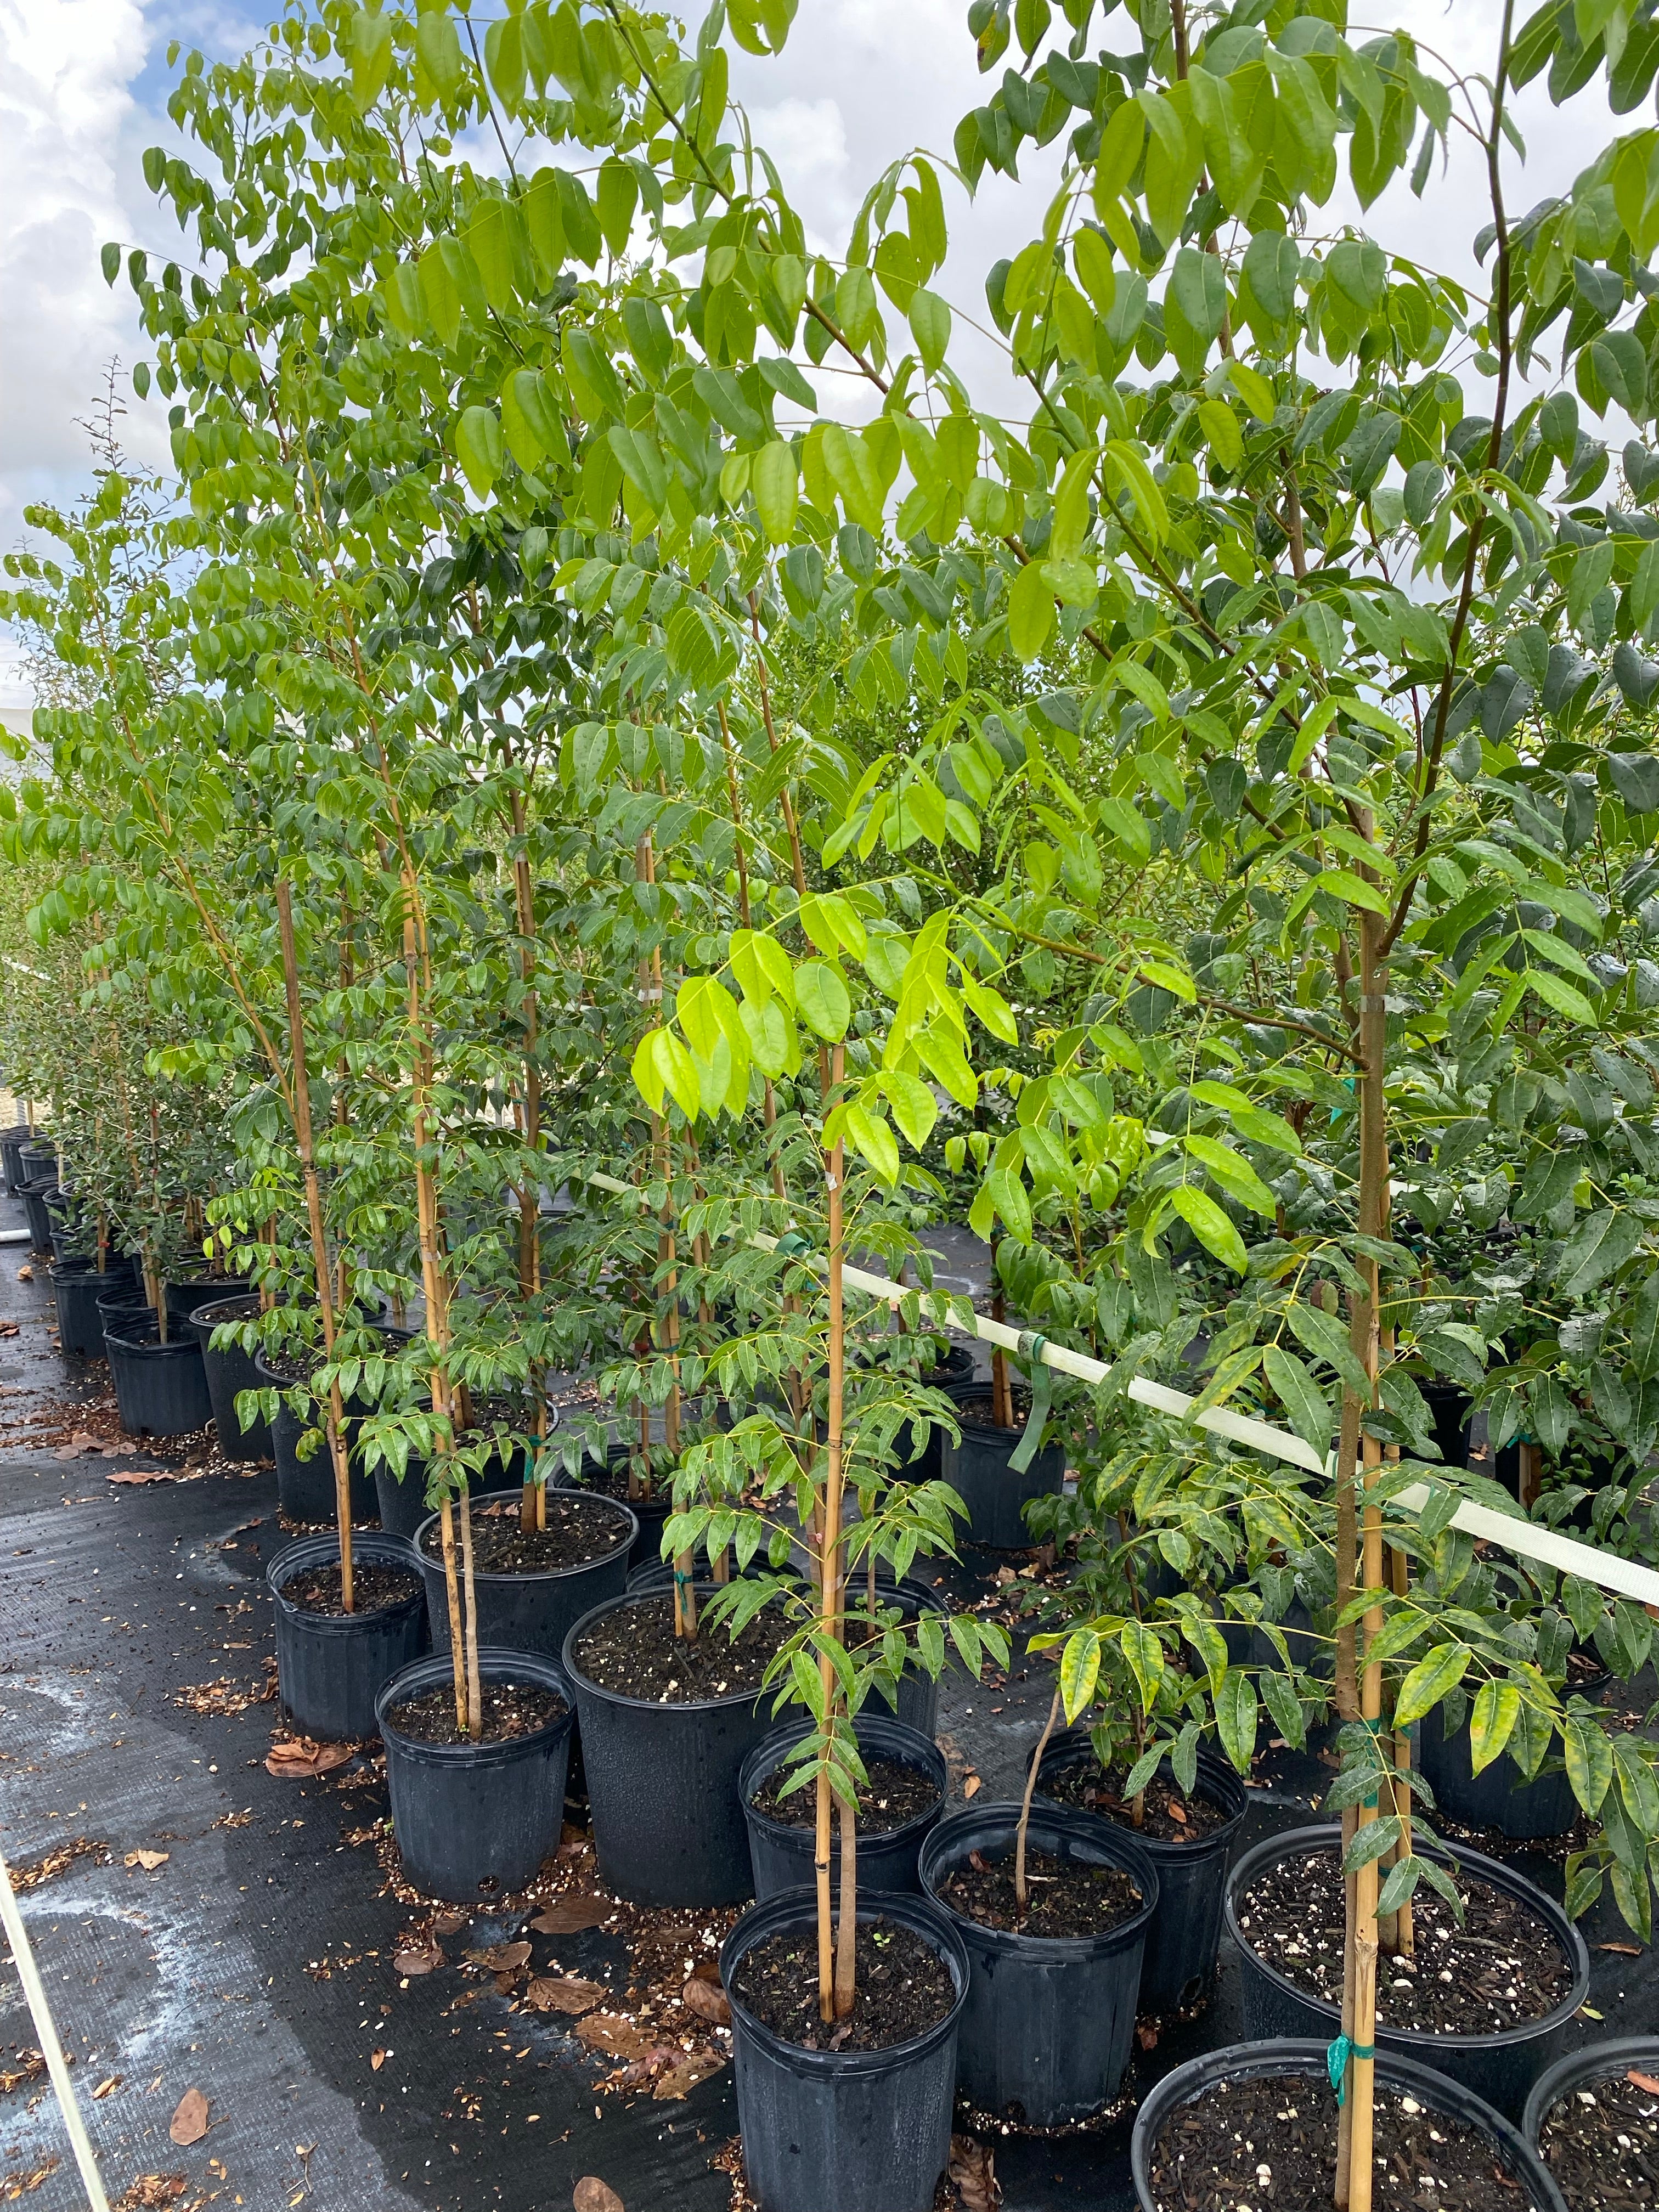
(84, 87)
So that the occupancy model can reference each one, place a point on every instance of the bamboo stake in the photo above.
(831, 1974)
(335, 1424)
(533, 1512)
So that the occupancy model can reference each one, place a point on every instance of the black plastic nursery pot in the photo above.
(331, 1667)
(1525, 2172)
(305, 1487)
(1048, 2028)
(781, 1852)
(525, 1612)
(1501, 2068)
(12, 1142)
(1498, 1797)
(662, 1783)
(184, 1298)
(38, 1214)
(977, 1469)
(230, 1370)
(844, 2131)
(37, 1160)
(473, 1820)
(402, 1499)
(160, 1388)
(1579, 2069)
(1184, 1935)
(77, 1288)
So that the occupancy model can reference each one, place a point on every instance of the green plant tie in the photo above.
(791, 1246)
(1337, 2056)
(1030, 1347)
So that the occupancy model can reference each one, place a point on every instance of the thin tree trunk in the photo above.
(830, 1980)
(320, 1259)
(1024, 1831)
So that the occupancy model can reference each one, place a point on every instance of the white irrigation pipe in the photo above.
(1626, 1578)
(51, 2050)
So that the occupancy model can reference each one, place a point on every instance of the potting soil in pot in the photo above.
(903, 1988)
(1503, 1967)
(635, 1652)
(896, 1793)
(510, 1709)
(375, 1588)
(1064, 1896)
(1272, 2141)
(576, 1531)
(1601, 2144)
(1169, 1813)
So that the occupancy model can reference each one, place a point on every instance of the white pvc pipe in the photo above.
(51, 2050)
(1626, 1578)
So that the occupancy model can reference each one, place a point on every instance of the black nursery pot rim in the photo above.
(1417, 2041)
(1296, 2055)
(374, 1546)
(496, 1663)
(144, 1346)
(580, 1628)
(1217, 1783)
(1591, 2062)
(910, 1750)
(477, 1500)
(960, 1832)
(794, 1908)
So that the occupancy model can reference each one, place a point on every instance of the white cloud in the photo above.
(65, 69)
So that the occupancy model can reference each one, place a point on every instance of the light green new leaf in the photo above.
(875, 1140)
(821, 1000)
(1235, 1714)
(1030, 612)
(1233, 1172)
(930, 326)
(479, 444)
(371, 56)
(773, 480)
(1145, 1653)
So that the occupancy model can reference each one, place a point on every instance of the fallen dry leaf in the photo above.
(563, 1993)
(152, 2193)
(418, 1959)
(568, 1916)
(14, 2185)
(149, 1860)
(189, 2123)
(136, 1474)
(1644, 2082)
(26, 1274)
(619, 2039)
(10, 1329)
(54, 1862)
(971, 1785)
(973, 2175)
(707, 1999)
(106, 2087)
(502, 1957)
(377, 2059)
(450, 1923)
(296, 1757)
(679, 2080)
(1625, 1950)
(593, 2195)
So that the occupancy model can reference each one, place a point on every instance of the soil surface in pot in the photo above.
(1064, 1896)
(1172, 1816)
(635, 1652)
(1502, 1968)
(902, 1988)
(896, 1793)
(982, 1412)
(578, 1529)
(510, 1709)
(374, 1588)
(1273, 2141)
(1601, 2144)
